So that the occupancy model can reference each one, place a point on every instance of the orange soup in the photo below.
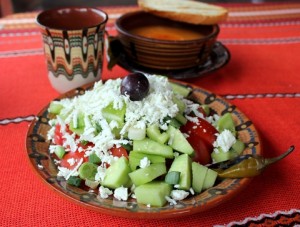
(164, 32)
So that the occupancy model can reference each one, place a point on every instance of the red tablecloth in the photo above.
(262, 79)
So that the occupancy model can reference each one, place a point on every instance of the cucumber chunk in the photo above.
(155, 191)
(238, 147)
(180, 89)
(87, 171)
(78, 128)
(145, 175)
(59, 151)
(135, 157)
(198, 176)
(154, 133)
(180, 104)
(172, 177)
(210, 179)
(137, 133)
(226, 122)
(178, 142)
(91, 184)
(182, 164)
(206, 109)
(55, 107)
(179, 117)
(220, 155)
(149, 146)
(117, 174)
(118, 115)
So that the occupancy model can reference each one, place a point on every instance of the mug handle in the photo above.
(113, 50)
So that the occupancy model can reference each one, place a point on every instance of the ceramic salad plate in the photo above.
(44, 166)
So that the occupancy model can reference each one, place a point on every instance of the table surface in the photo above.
(261, 79)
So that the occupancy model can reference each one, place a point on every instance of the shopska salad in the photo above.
(139, 137)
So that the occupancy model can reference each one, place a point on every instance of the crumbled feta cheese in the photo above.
(100, 174)
(171, 201)
(40, 166)
(71, 161)
(192, 191)
(179, 194)
(225, 140)
(144, 162)
(104, 192)
(121, 193)
(67, 173)
(52, 148)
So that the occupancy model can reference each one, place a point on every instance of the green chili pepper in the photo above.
(252, 166)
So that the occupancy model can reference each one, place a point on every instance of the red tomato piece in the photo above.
(58, 137)
(119, 151)
(201, 137)
(76, 156)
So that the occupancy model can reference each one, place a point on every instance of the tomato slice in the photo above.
(58, 137)
(76, 156)
(119, 151)
(201, 137)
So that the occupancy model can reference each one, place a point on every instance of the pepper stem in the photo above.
(269, 161)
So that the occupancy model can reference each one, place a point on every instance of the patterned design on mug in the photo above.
(70, 53)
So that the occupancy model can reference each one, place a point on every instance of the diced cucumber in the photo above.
(135, 157)
(149, 146)
(55, 107)
(75, 181)
(198, 176)
(178, 142)
(179, 117)
(238, 147)
(172, 177)
(93, 158)
(88, 171)
(145, 175)
(59, 151)
(155, 191)
(154, 133)
(175, 123)
(180, 104)
(91, 184)
(221, 156)
(79, 127)
(206, 109)
(118, 115)
(182, 164)
(226, 122)
(136, 133)
(181, 89)
(117, 174)
(210, 179)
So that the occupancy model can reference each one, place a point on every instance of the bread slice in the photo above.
(188, 11)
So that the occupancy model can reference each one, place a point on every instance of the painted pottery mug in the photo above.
(73, 45)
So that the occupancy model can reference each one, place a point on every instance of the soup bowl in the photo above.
(164, 44)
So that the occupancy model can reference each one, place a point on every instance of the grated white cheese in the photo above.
(179, 194)
(144, 162)
(121, 193)
(100, 174)
(170, 200)
(71, 161)
(104, 192)
(224, 140)
(67, 173)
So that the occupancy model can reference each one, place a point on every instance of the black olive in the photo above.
(136, 86)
